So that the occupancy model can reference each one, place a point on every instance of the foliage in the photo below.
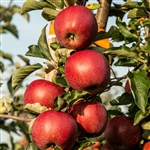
(132, 51)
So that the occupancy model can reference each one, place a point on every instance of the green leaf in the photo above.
(124, 99)
(124, 30)
(30, 5)
(146, 134)
(146, 3)
(140, 85)
(139, 116)
(43, 45)
(146, 22)
(31, 146)
(16, 9)
(2, 67)
(11, 28)
(121, 52)
(49, 14)
(113, 32)
(126, 62)
(20, 74)
(137, 13)
(70, 2)
(40, 50)
(59, 4)
(146, 125)
(6, 56)
(73, 96)
(133, 4)
(35, 108)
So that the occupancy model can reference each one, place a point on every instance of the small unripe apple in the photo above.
(91, 118)
(121, 134)
(75, 27)
(106, 147)
(146, 146)
(87, 70)
(43, 92)
(52, 128)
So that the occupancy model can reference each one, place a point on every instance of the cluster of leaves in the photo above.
(11, 105)
(133, 52)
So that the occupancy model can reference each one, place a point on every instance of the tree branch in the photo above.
(102, 13)
(3, 15)
(16, 118)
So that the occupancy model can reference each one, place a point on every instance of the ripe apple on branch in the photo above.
(71, 113)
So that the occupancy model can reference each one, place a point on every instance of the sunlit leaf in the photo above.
(140, 85)
(35, 108)
(146, 125)
(93, 6)
(139, 116)
(133, 4)
(20, 74)
(49, 14)
(59, 4)
(137, 13)
(30, 5)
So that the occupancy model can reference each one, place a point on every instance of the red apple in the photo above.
(52, 128)
(43, 92)
(106, 147)
(75, 27)
(146, 146)
(91, 118)
(121, 134)
(87, 70)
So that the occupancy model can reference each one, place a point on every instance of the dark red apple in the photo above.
(52, 128)
(43, 92)
(75, 27)
(146, 146)
(121, 134)
(91, 118)
(87, 70)
(106, 147)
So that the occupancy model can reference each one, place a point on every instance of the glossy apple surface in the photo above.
(87, 70)
(121, 134)
(91, 118)
(75, 27)
(43, 92)
(52, 128)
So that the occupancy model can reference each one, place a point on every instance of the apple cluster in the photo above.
(84, 70)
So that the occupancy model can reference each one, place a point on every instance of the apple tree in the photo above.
(85, 70)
